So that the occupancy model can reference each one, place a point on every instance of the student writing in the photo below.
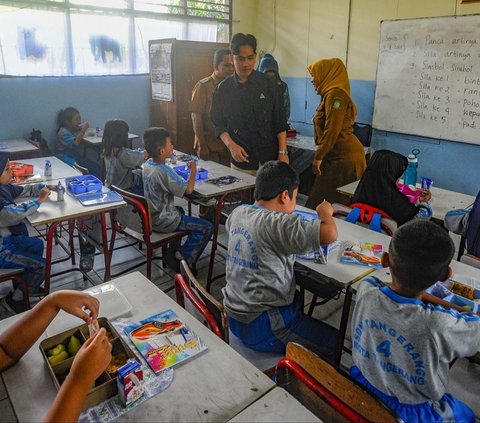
(264, 309)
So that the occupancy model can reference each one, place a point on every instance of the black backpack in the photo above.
(473, 229)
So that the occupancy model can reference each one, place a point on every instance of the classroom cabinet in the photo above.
(175, 67)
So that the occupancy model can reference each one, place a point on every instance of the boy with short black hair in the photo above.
(161, 184)
(263, 307)
(402, 347)
(18, 250)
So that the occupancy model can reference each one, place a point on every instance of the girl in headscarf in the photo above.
(340, 158)
(378, 188)
(17, 249)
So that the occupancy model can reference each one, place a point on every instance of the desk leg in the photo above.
(216, 224)
(48, 258)
(343, 326)
(106, 250)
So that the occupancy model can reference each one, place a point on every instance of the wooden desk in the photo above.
(52, 213)
(214, 386)
(19, 148)
(442, 200)
(276, 406)
(60, 170)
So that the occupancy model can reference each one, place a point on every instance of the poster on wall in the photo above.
(161, 71)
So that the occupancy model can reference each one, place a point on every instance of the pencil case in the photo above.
(83, 184)
(21, 169)
(184, 172)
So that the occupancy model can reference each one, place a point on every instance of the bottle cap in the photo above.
(412, 158)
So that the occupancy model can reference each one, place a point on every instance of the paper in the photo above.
(362, 253)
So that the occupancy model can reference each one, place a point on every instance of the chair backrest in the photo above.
(387, 226)
(344, 394)
(81, 169)
(137, 206)
(363, 132)
(212, 311)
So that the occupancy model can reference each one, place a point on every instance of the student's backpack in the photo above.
(473, 229)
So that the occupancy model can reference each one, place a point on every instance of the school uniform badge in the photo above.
(337, 103)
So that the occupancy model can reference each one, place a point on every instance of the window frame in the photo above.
(68, 8)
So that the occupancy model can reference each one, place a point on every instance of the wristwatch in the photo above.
(284, 152)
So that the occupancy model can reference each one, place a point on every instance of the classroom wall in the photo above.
(32, 102)
(27, 103)
(298, 32)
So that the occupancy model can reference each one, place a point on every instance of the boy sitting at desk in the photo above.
(264, 309)
(17, 248)
(161, 184)
(402, 347)
(88, 364)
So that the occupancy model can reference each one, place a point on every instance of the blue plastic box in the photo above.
(184, 172)
(83, 184)
(306, 216)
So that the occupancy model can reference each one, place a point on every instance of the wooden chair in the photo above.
(135, 222)
(15, 275)
(206, 308)
(328, 391)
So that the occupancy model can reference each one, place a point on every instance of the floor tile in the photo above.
(6, 412)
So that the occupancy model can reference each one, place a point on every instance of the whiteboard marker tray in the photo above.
(113, 304)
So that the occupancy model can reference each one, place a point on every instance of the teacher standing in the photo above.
(340, 158)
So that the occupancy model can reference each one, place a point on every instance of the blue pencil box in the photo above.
(184, 172)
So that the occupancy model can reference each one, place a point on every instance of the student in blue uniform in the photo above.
(264, 309)
(17, 249)
(69, 139)
(161, 185)
(120, 160)
(402, 347)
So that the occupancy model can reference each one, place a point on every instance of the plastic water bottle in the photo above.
(174, 158)
(410, 177)
(48, 168)
(60, 192)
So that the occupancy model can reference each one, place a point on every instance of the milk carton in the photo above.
(130, 382)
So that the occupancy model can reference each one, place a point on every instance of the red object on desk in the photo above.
(21, 169)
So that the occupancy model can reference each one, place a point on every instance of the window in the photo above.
(108, 37)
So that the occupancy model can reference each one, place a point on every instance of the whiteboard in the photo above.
(428, 78)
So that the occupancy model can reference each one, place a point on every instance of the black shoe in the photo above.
(12, 306)
(170, 260)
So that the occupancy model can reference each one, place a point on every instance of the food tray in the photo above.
(106, 385)
(441, 291)
(78, 185)
(21, 169)
(185, 172)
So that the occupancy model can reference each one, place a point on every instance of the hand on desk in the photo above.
(425, 195)
(44, 193)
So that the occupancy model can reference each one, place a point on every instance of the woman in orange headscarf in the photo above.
(339, 158)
